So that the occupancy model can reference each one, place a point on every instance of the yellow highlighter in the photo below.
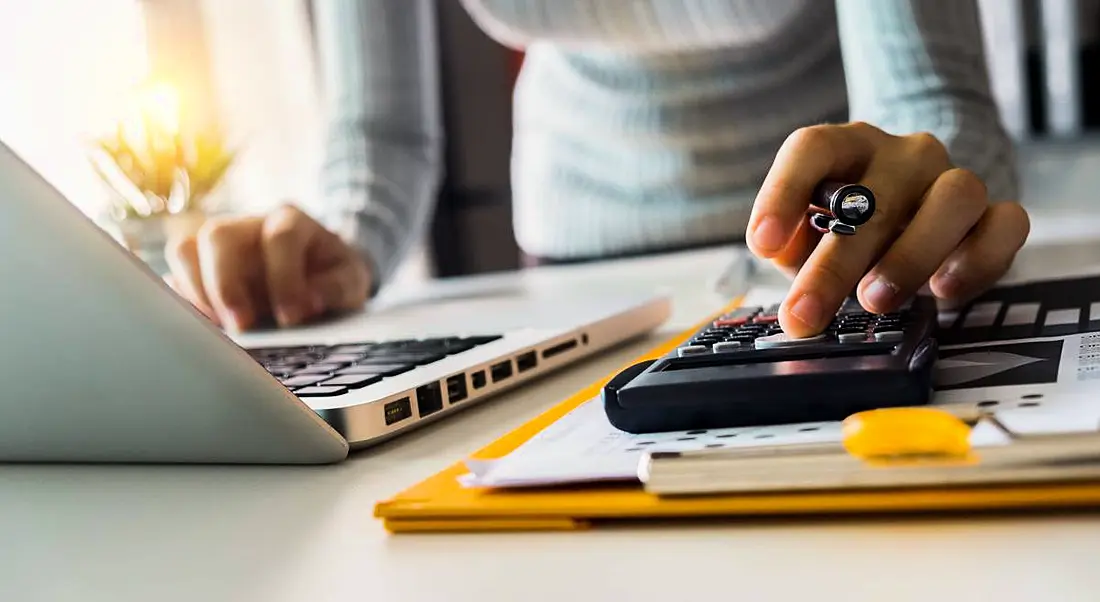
(880, 449)
(901, 434)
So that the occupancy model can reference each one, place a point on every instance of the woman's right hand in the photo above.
(240, 272)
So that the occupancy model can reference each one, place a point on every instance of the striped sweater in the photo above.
(642, 124)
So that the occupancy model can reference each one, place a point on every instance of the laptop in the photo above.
(102, 362)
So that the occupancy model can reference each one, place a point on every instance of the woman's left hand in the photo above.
(933, 224)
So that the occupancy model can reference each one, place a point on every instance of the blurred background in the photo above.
(76, 80)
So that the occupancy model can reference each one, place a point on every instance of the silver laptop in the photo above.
(102, 362)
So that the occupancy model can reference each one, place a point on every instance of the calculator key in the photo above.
(785, 340)
(851, 306)
(727, 346)
(320, 391)
(852, 337)
(692, 350)
(737, 317)
(889, 336)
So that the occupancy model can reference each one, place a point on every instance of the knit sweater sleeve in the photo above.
(383, 145)
(919, 65)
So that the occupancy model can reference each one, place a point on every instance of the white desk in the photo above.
(278, 534)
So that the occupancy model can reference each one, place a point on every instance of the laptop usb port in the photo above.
(501, 371)
(429, 399)
(396, 411)
(526, 361)
(456, 388)
(477, 379)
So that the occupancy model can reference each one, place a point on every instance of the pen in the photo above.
(841, 208)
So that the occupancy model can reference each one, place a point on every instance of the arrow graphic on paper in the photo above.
(970, 367)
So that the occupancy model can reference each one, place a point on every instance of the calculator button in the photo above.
(727, 346)
(852, 337)
(736, 317)
(889, 336)
(784, 340)
(851, 306)
(692, 350)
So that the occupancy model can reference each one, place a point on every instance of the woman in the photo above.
(656, 124)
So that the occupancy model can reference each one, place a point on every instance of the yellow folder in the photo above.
(440, 503)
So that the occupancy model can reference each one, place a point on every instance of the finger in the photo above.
(985, 255)
(228, 254)
(342, 288)
(808, 157)
(182, 256)
(286, 236)
(950, 208)
(899, 176)
(798, 250)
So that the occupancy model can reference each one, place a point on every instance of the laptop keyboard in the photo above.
(328, 371)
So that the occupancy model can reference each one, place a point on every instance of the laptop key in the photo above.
(401, 358)
(356, 349)
(320, 391)
(304, 380)
(379, 369)
(341, 358)
(319, 369)
(283, 369)
(481, 340)
(353, 381)
(300, 359)
(457, 348)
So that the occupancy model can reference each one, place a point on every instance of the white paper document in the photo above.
(1041, 385)
(583, 447)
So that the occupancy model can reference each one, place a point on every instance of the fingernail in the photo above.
(807, 309)
(950, 283)
(881, 293)
(287, 315)
(768, 235)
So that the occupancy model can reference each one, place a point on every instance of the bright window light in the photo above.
(67, 70)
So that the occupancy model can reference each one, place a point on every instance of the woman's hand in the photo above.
(933, 224)
(241, 271)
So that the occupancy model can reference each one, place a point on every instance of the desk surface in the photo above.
(120, 533)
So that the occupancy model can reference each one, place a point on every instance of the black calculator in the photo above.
(742, 370)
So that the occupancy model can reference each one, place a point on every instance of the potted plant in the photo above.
(160, 176)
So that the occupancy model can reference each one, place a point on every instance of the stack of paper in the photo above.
(1042, 384)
